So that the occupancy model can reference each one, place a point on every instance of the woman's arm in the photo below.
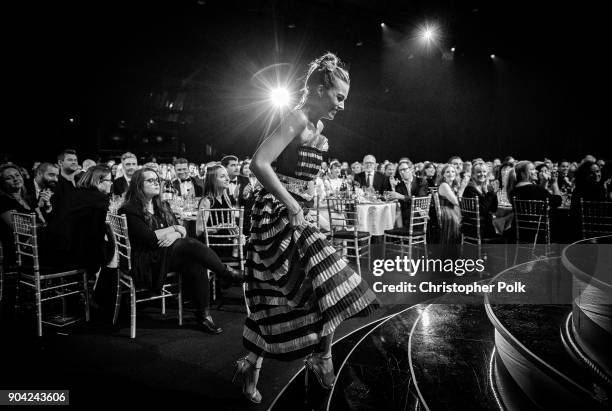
(268, 151)
(202, 216)
(446, 191)
(7, 218)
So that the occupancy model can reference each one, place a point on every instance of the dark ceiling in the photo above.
(96, 63)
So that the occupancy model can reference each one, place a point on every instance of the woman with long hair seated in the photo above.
(215, 196)
(449, 189)
(479, 187)
(159, 246)
(13, 197)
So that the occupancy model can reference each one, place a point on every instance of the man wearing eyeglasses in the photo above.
(407, 187)
(370, 178)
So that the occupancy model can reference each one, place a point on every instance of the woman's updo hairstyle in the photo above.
(323, 71)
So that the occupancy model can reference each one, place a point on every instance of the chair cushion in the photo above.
(346, 234)
(405, 233)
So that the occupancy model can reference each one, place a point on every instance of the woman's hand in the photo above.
(297, 219)
(169, 239)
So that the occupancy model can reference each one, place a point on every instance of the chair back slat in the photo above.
(26, 240)
(419, 214)
(122, 241)
(470, 218)
(222, 224)
(343, 214)
(595, 218)
(533, 217)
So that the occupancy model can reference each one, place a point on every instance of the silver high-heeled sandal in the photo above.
(243, 368)
(325, 379)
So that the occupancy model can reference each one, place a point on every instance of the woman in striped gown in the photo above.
(298, 290)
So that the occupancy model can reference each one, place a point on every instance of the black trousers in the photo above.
(191, 258)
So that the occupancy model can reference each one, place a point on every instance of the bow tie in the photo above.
(234, 181)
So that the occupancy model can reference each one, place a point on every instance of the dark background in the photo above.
(99, 77)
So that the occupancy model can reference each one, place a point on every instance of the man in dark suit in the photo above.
(407, 187)
(370, 177)
(129, 164)
(68, 165)
(41, 187)
(233, 170)
(185, 185)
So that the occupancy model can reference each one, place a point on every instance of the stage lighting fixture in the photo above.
(429, 34)
(279, 97)
(453, 49)
(492, 56)
(382, 25)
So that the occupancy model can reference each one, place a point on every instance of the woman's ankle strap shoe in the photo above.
(244, 367)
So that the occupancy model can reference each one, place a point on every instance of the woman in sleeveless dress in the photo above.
(298, 290)
(450, 215)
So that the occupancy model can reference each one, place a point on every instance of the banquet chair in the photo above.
(471, 230)
(404, 238)
(47, 283)
(223, 231)
(595, 218)
(532, 218)
(532, 221)
(345, 235)
(126, 284)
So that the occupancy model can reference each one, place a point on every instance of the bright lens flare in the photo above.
(279, 97)
(429, 34)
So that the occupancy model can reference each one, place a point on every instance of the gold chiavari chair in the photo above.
(344, 225)
(125, 283)
(222, 231)
(400, 239)
(47, 283)
(471, 229)
(595, 218)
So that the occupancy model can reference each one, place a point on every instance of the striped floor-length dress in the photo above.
(299, 289)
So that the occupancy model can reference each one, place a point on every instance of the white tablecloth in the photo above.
(376, 218)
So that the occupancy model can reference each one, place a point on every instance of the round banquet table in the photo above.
(375, 218)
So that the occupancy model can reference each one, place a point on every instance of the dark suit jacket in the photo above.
(176, 184)
(33, 199)
(76, 235)
(120, 186)
(380, 182)
(418, 188)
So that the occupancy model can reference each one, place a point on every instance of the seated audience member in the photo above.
(479, 187)
(159, 245)
(545, 178)
(449, 188)
(233, 169)
(215, 197)
(356, 168)
(129, 164)
(185, 185)
(68, 165)
(589, 185)
(247, 184)
(41, 188)
(13, 197)
(429, 173)
(522, 185)
(456, 162)
(564, 180)
(87, 163)
(370, 178)
(332, 180)
(76, 236)
(406, 187)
